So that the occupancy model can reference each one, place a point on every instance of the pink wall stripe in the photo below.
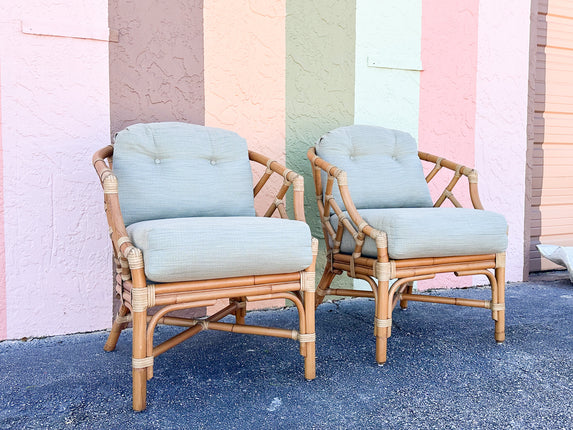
(448, 91)
(3, 319)
(448, 81)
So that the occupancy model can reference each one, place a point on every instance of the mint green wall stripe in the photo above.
(320, 51)
(388, 63)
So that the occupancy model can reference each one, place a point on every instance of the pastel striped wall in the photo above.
(279, 72)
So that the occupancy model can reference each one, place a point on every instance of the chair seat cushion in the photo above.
(431, 232)
(186, 249)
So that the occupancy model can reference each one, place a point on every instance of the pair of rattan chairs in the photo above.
(179, 200)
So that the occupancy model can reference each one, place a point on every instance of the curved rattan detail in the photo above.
(137, 296)
(379, 272)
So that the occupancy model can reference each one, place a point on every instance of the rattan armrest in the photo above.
(458, 170)
(327, 202)
(123, 247)
(290, 177)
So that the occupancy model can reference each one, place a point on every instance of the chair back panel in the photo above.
(172, 170)
(382, 165)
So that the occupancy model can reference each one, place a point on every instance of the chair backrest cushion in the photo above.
(172, 170)
(382, 165)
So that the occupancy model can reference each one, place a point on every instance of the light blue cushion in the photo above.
(171, 170)
(432, 232)
(185, 249)
(382, 165)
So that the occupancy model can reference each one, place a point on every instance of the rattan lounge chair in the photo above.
(380, 224)
(179, 200)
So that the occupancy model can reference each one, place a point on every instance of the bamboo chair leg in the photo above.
(500, 321)
(381, 322)
(139, 341)
(241, 310)
(324, 283)
(116, 329)
(139, 352)
(404, 303)
(310, 356)
(309, 309)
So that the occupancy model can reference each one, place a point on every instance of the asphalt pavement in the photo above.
(444, 371)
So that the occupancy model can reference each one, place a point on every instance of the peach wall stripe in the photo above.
(245, 63)
(245, 60)
(3, 319)
(448, 91)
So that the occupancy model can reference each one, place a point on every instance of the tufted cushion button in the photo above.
(213, 162)
(157, 161)
(352, 157)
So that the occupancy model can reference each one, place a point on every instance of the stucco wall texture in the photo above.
(157, 65)
(320, 47)
(3, 304)
(245, 84)
(245, 77)
(501, 119)
(55, 114)
(448, 97)
(280, 73)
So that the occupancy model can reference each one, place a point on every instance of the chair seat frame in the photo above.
(137, 295)
(379, 272)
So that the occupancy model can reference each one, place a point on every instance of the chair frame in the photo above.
(404, 271)
(137, 296)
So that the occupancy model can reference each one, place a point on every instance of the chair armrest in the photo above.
(458, 170)
(326, 202)
(123, 248)
(290, 177)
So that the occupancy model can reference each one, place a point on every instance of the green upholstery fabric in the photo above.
(185, 249)
(171, 170)
(432, 232)
(382, 165)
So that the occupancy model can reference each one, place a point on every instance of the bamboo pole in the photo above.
(474, 303)
(412, 262)
(500, 322)
(251, 329)
(325, 281)
(349, 293)
(309, 290)
(190, 332)
(116, 329)
(139, 345)
(167, 299)
(222, 283)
